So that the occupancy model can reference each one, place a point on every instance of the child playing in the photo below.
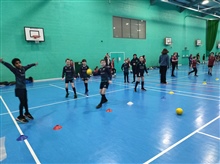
(84, 75)
(134, 63)
(141, 67)
(105, 81)
(211, 61)
(20, 87)
(125, 68)
(174, 61)
(68, 72)
(193, 65)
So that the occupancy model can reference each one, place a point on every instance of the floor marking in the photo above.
(68, 90)
(21, 133)
(209, 135)
(12, 90)
(60, 102)
(180, 141)
(186, 92)
(185, 95)
(176, 92)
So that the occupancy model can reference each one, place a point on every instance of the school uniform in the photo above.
(106, 76)
(20, 87)
(174, 63)
(84, 76)
(194, 62)
(125, 68)
(134, 63)
(69, 73)
(141, 68)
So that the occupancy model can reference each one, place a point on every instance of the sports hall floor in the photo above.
(149, 131)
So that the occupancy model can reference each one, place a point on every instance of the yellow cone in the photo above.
(171, 92)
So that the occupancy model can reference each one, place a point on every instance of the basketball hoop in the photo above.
(36, 38)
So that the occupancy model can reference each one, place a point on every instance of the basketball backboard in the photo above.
(32, 32)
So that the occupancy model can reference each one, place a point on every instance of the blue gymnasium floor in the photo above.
(149, 131)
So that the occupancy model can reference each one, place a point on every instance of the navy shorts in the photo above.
(69, 81)
(140, 74)
(21, 93)
(104, 85)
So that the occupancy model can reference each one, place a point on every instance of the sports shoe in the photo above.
(196, 75)
(67, 94)
(104, 101)
(21, 119)
(135, 90)
(75, 96)
(86, 93)
(188, 73)
(143, 89)
(29, 116)
(99, 106)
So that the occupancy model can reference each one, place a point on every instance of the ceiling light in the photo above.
(205, 2)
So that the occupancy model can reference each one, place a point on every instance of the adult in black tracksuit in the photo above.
(105, 81)
(20, 87)
(141, 67)
(164, 64)
(134, 63)
(125, 68)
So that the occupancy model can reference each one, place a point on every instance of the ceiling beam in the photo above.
(191, 8)
(194, 3)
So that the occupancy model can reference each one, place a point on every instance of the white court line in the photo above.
(186, 92)
(21, 133)
(60, 102)
(34, 87)
(180, 141)
(12, 90)
(64, 89)
(185, 95)
(209, 135)
(166, 91)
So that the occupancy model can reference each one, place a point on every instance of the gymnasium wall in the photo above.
(83, 29)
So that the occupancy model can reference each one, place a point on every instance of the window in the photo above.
(129, 28)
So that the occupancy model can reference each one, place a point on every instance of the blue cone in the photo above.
(163, 98)
(22, 138)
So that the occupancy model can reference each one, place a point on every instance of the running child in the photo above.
(193, 65)
(69, 73)
(105, 81)
(84, 76)
(174, 61)
(141, 67)
(20, 87)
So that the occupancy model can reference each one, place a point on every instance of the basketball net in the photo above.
(36, 37)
